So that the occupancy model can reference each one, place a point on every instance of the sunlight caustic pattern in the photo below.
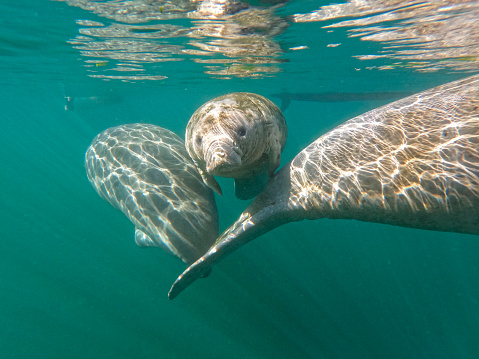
(144, 171)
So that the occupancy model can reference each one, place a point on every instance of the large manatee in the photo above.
(412, 163)
(144, 171)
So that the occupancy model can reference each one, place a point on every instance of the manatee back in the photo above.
(414, 163)
(145, 171)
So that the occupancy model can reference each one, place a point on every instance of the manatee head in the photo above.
(223, 138)
(225, 135)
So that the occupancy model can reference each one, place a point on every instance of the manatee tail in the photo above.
(249, 226)
(267, 211)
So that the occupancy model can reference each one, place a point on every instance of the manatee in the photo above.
(240, 135)
(144, 171)
(412, 163)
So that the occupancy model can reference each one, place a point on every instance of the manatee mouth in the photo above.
(222, 160)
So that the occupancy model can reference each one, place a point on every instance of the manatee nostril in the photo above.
(198, 140)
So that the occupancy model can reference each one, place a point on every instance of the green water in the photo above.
(75, 285)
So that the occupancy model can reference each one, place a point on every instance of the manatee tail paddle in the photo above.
(249, 226)
(234, 237)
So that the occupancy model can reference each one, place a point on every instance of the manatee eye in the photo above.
(242, 131)
(198, 140)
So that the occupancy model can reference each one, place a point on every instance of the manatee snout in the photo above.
(222, 159)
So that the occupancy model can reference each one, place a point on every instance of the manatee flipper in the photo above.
(144, 240)
(206, 273)
(247, 188)
(210, 181)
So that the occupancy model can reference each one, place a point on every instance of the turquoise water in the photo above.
(75, 285)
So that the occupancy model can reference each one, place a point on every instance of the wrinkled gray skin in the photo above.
(240, 135)
(412, 163)
(144, 171)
